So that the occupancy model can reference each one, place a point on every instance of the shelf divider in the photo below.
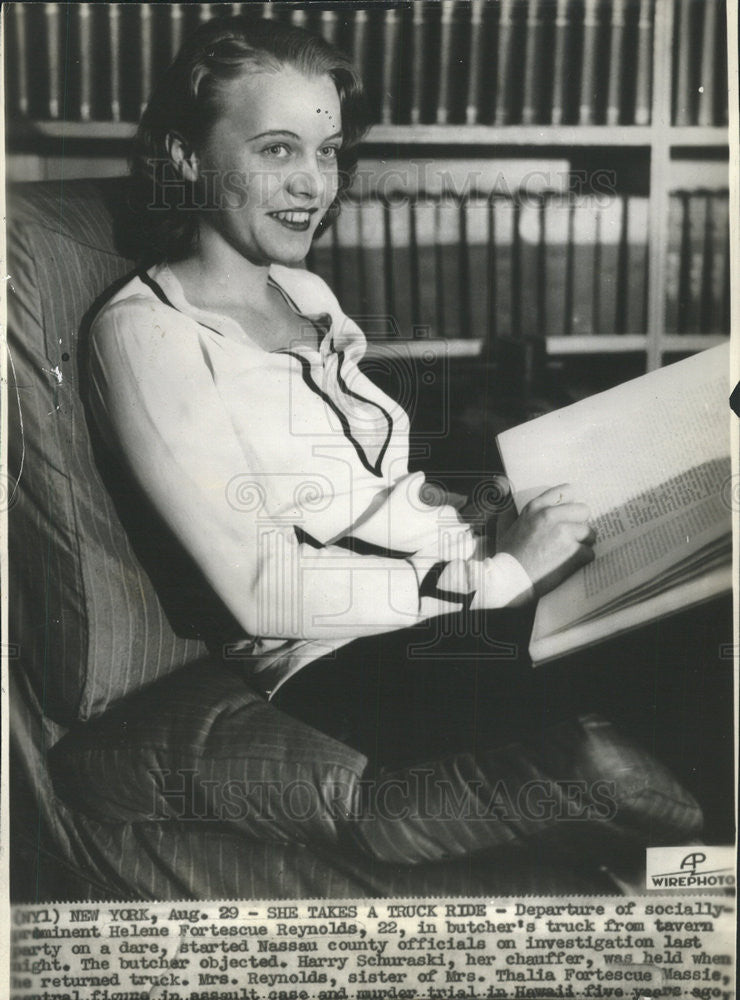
(442, 135)
(660, 155)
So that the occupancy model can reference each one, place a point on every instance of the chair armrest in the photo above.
(202, 745)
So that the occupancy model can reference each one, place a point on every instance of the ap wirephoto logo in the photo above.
(695, 867)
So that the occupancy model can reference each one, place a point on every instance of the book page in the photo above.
(645, 556)
(688, 489)
(650, 459)
(618, 444)
(545, 647)
(195, 839)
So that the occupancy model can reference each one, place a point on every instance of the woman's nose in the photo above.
(306, 180)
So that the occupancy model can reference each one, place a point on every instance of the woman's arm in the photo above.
(156, 402)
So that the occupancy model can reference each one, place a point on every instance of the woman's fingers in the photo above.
(569, 513)
(559, 505)
(585, 534)
(586, 553)
(556, 495)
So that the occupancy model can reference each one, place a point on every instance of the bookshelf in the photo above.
(471, 79)
(449, 135)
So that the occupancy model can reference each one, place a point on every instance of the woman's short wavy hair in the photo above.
(188, 101)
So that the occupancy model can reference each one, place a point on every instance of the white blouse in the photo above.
(284, 474)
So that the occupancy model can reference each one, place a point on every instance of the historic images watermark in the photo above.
(418, 794)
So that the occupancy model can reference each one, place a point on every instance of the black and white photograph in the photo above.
(370, 490)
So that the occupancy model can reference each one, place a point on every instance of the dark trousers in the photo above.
(464, 683)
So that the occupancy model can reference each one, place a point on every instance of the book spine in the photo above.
(417, 70)
(390, 63)
(146, 49)
(329, 25)
(532, 62)
(724, 324)
(697, 259)
(175, 32)
(445, 62)
(401, 297)
(708, 62)
(635, 306)
(320, 260)
(557, 234)
(503, 238)
(643, 87)
(478, 286)
(424, 263)
(268, 10)
(298, 17)
(474, 62)
(588, 69)
(20, 29)
(583, 263)
(373, 244)
(609, 221)
(723, 111)
(562, 31)
(349, 277)
(673, 261)
(51, 11)
(448, 268)
(204, 12)
(529, 241)
(718, 311)
(504, 61)
(86, 60)
(114, 70)
(359, 38)
(683, 74)
(616, 68)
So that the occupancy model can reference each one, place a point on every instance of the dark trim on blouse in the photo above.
(352, 544)
(345, 389)
(355, 395)
(303, 538)
(159, 292)
(321, 328)
(375, 468)
(429, 588)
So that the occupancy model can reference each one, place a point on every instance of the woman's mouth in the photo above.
(298, 220)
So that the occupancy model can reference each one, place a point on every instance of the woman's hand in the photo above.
(551, 538)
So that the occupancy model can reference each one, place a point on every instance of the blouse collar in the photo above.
(172, 287)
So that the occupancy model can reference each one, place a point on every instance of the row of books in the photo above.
(551, 265)
(454, 61)
(700, 48)
(485, 268)
(698, 263)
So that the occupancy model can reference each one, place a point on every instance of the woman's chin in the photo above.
(293, 254)
(289, 256)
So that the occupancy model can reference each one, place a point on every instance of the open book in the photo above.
(651, 458)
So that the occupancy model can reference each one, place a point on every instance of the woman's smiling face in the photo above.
(269, 165)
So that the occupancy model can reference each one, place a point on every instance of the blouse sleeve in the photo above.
(155, 400)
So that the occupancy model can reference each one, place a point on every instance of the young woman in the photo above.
(227, 377)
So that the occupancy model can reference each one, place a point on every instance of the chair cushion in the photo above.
(89, 622)
(202, 745)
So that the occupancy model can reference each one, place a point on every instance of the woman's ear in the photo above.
(182, 156)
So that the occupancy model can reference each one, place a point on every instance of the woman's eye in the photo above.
(277, 149)
(329, 152)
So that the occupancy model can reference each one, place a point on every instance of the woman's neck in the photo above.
(218, 275)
